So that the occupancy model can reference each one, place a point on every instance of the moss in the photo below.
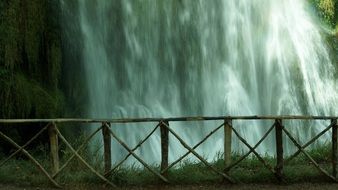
(336, 12)
(34, 26)
(326, 10)
(25, 98)
(11, 34)
(54, 68)
(2, 32)
(327, 7)
(30, 51)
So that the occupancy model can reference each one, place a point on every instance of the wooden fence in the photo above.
(164, 124)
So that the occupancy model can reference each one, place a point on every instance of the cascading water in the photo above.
(155, 58)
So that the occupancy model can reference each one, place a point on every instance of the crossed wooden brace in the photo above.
(191, 150)
(86, 141)
(26, 153)
(301, 149)
(132, 150)
(252, 150)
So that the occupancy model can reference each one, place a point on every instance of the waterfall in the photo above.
(155, 58)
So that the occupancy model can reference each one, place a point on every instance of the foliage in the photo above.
(30, 59)
(327, 10)
(25, 98)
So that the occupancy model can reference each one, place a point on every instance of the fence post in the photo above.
(279, 149)
(106, 147)
(54, 147)
(164, 147)
(334, 148)
(227, 142)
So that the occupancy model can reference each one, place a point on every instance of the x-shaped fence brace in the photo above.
(165, 131)
(40, 167)
(252, 150)
(26, 153)
(131, 152)
(302, 147)
(191, 150)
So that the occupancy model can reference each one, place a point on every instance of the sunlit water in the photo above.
(156, 58)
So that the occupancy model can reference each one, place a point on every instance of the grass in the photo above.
(22, 172)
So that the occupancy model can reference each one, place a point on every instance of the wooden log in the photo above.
(279, 149)
(164, 148)
(227, 142)
(334, 148)
(106, 147)
(54, 148)
(197, 118)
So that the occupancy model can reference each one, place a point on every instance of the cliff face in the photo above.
(30, 59)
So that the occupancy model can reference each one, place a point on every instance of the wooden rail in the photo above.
(170, 119)
(107, 125)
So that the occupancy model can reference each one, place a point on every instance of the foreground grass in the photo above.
(22, 172)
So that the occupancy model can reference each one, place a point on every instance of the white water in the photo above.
(155, 58)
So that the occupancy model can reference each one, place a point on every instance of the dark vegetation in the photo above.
(30, 63)
(327, 10)
(31, 59)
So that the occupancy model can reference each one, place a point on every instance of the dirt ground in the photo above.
(307, 186)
